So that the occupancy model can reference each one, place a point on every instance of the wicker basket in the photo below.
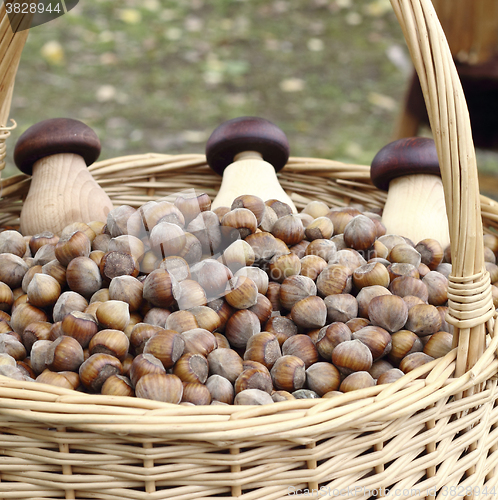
(417, 438)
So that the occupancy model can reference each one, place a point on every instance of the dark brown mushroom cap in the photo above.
(413, 155)
(55, 136)
(247, 133)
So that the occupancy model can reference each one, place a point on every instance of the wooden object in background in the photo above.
(258, 149)
(409, 170)
(56, 153)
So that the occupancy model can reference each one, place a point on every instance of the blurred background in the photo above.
(160, 75)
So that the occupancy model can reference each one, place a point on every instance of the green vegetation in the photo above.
(160, 75)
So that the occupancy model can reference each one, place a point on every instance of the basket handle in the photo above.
(469, 294)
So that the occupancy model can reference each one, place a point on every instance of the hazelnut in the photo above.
(413, 361)
(288, 373)
(264, 348)
(289, 229)
(143, 364)
(43, 290)
(262, 309)
(360, 233)
(330, 336)
(302, 347)
(64, 354)
(177, 266)
(113, 314)
(160, 387)
(379, 367)
(282, 266)
(80, 326)
(241, 219)
(127, 289)
(437, 288)
(158, 288)
(167, 346)
(73, 245)
(376, 339)
(404, 253)
(356, 381)
(294, 289)
(388, 311)
(365, 296)
(23, 315)
(68, 302)
(240, 327)
(431, 252)
(212, 276)
(243, 292)
(312, 266)
(12, 270)
(252, 378)
(390, 376)
(320, 228)
(423, 319)
(439, 344)
(192, 367)
(192, 205)
(403, 342)
(334, 279)
(252, 397)
(117, 385)
(341, 307)
(205, 317)
(225, 362)
(83, 276)
(352, 356)
(371, 274)
(197, 394)
(188, 294)
(407, 285)
(310, 312)
(199, 341)
(181, 321)
(278, 396)
(316, 209)
(323, 377)
(323, 248)
(281, 327)
(220, 389)
(113, 342)
(397, 269)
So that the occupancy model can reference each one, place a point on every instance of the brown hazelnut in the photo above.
(356, 381)
(352, 356)
(323, 377)
(160, 387)
(288, 373)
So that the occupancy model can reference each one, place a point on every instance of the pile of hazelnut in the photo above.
(248, 304)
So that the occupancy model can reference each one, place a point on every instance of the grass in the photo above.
(160, 75)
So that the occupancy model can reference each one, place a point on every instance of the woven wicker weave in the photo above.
(432, 437)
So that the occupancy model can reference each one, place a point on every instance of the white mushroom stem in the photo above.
(250, 174)
(62, 191)
(415, 208)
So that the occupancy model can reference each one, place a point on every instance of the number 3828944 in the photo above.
(32, 8)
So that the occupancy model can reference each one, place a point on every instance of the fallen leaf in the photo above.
(53, 52)
(292, 85)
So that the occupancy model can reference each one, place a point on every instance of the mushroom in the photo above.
(415, 208)
(248, 151)
(56, 152)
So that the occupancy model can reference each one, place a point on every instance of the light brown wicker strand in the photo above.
(150, 485)
(235, 468)
(66, 468)
(467, 245)
(312, 465)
